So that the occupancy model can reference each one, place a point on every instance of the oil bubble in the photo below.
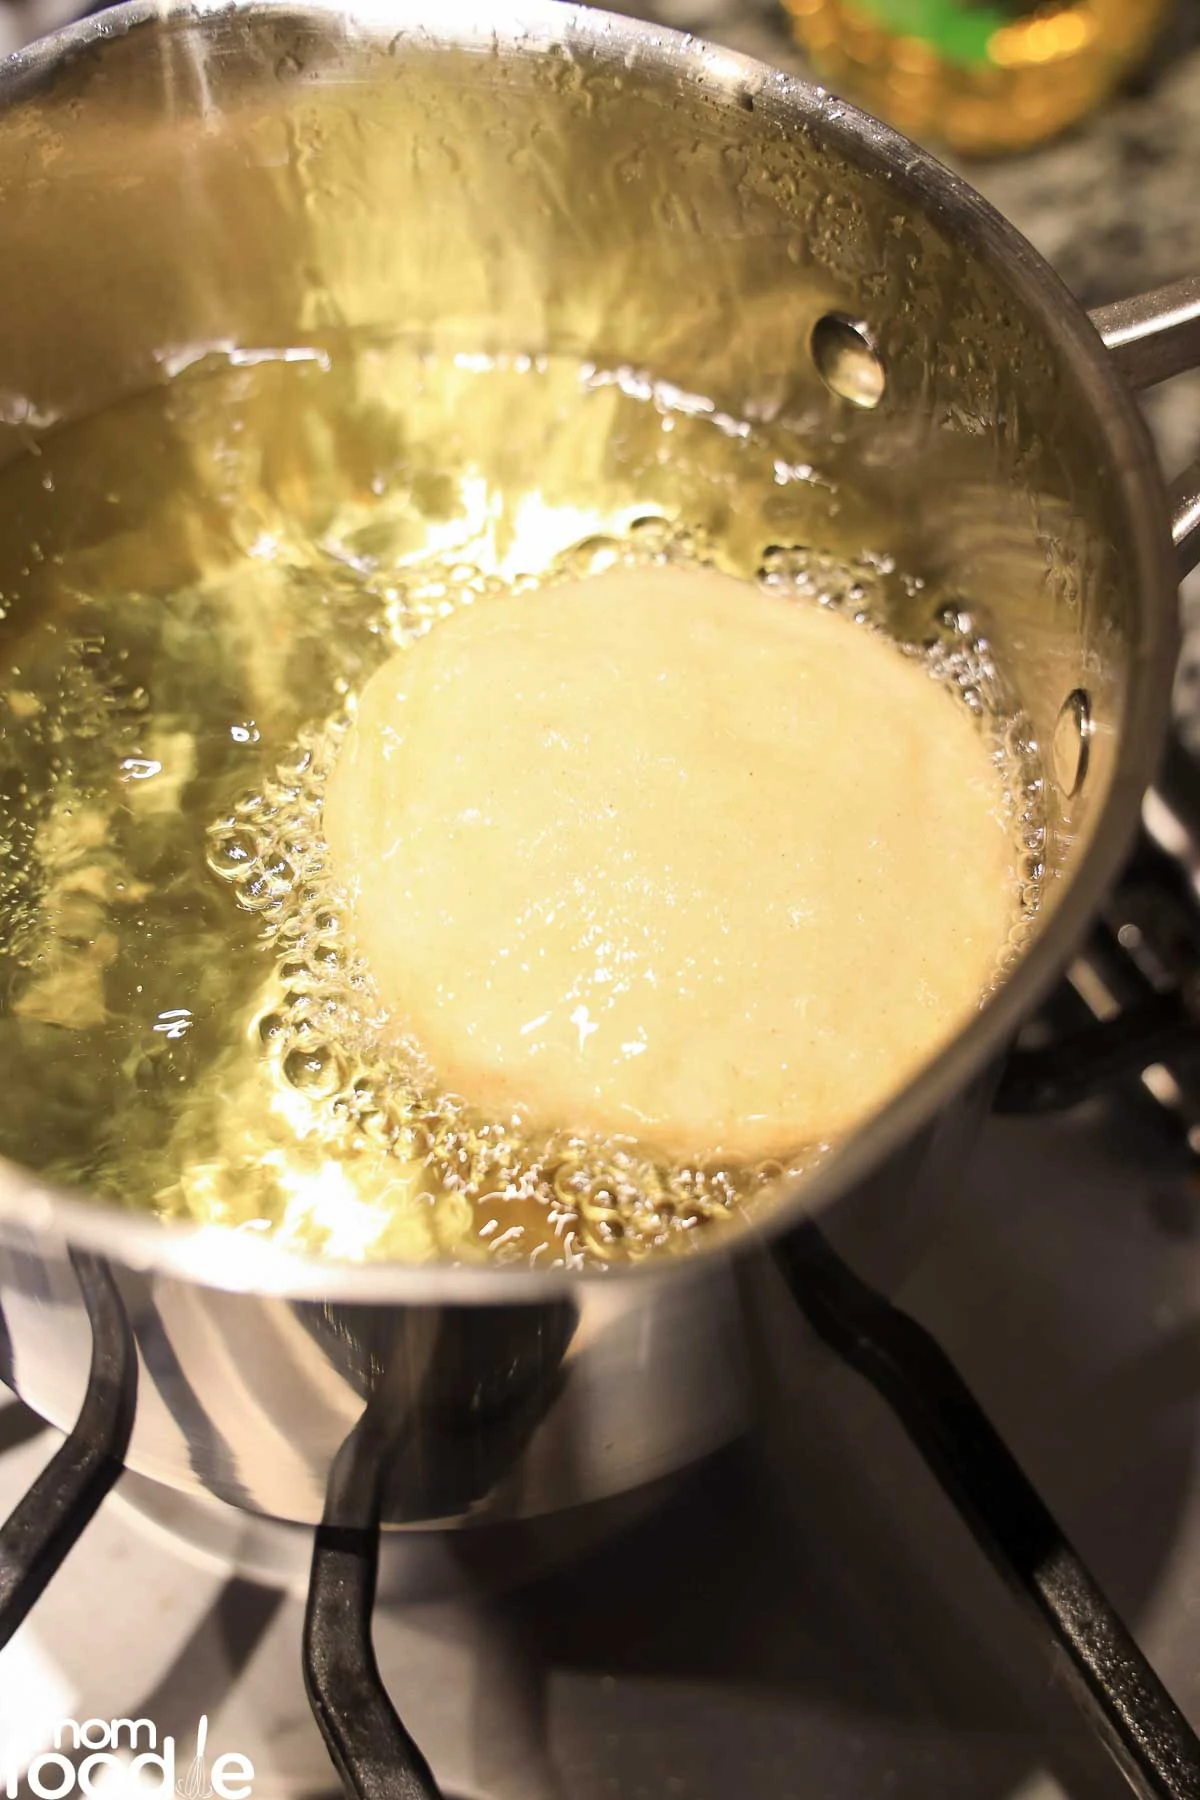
(314, 1070)
(231, 849)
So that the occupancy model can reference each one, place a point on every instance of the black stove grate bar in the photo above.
(44, 1525)
(1137, 1720)
(1059, 1075)
(372, 1752)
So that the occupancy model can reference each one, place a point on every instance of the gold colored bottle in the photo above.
(980, 76)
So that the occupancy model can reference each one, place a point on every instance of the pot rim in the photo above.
(232, 1259)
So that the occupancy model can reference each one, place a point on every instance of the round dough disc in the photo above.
(663, 853)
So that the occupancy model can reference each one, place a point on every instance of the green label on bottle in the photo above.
(959, 30)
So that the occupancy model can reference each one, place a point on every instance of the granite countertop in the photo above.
(1114, 205)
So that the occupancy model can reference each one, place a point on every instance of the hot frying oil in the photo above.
(195, 585)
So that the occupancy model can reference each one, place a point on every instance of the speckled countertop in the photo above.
(1115, 205)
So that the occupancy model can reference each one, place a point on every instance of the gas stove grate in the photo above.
(1137, 978)
(1139, 1723)
(374, 1755)
(46, 1524)
(367, 1742)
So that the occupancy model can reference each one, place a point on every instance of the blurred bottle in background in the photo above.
(979, 76)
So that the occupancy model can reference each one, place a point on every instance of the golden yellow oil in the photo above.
(194, 585)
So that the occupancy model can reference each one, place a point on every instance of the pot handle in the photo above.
(1152, 337)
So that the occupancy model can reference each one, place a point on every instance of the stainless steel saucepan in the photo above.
(514, 178)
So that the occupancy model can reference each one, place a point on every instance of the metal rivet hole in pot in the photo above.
(847, 361)
(1072, 730)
